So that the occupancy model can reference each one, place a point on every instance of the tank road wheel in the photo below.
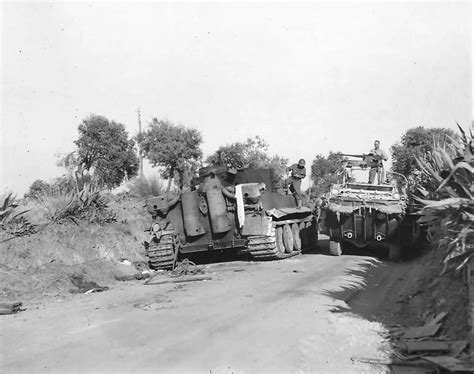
(303, 235)
(394, 252)
(280, 246)
(335, 248)
(288, 238)
(160, 253)
(295, 231)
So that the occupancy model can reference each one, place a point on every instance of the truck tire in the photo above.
(295, 230)
(335, 248)
(303, 236)
(311, 235)
(288, 238)
(394, 252)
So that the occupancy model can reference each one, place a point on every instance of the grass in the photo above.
(147, 187)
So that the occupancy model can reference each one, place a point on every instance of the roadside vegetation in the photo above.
(447, 198)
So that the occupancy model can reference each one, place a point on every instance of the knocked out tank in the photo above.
(362, 214)
(229, 209)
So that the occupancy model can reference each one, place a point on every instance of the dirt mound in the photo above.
(44, 263)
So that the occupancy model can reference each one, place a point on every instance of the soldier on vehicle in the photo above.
(298, 172)
(376, 165)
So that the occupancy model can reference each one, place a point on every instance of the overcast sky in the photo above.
(308, 77)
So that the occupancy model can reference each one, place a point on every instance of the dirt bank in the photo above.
(41, 264)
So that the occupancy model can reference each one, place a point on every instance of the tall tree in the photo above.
(175, 148)
(250, 154)
(419, 142)
(105, 150)
(324, 172)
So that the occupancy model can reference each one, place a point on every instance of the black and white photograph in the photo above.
(236, 187)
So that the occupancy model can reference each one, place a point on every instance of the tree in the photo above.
(175, 148)
(250, 154)
(324, 172)
(38, 188)
(419, 142)
(105, 151)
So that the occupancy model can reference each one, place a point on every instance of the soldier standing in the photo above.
(298, 172)
(376, 166)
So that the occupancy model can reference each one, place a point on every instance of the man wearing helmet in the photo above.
(298, 172)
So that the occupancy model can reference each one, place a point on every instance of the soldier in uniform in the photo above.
(376, 167)
(298, 172)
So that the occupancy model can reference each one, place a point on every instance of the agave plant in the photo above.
(86, 203)
(448, 209)
(12, 222)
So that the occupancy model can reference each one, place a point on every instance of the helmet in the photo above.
(301, 162)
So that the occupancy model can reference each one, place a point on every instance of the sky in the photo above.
(308, 77)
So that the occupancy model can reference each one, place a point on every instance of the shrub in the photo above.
(37, 188)
(448, 209)
(12, 222)
(86, 204)
(146, 187)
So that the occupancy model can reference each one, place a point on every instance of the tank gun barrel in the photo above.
(366, 157)
(350, 155)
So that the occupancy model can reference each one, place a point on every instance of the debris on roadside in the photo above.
(136, 276)
(451, 363)
(10, 308)
(184, 271)
(422, 332)
(418, 346)
(85, 287)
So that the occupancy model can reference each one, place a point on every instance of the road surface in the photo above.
(266, 317)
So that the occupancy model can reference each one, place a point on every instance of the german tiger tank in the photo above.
(228, 210)
(355, 212)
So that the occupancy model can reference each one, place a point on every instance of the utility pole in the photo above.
(140, 157)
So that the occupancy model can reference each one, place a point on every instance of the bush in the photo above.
(448, 206)
(37, 188)
(86, 204)
(12, 222)
(146, 187)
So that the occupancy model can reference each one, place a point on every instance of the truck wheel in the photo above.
(303, 235)
(295, 230)
(311, 235)
(280, 246)
(335, 248)
(394, 252)
(287, 238)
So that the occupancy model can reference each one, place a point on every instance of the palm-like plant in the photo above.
(448, 208)
(12, 222)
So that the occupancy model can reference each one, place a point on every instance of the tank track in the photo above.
(264, 248)
(160, 252)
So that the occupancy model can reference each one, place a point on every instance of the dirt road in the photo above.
(251, 317)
